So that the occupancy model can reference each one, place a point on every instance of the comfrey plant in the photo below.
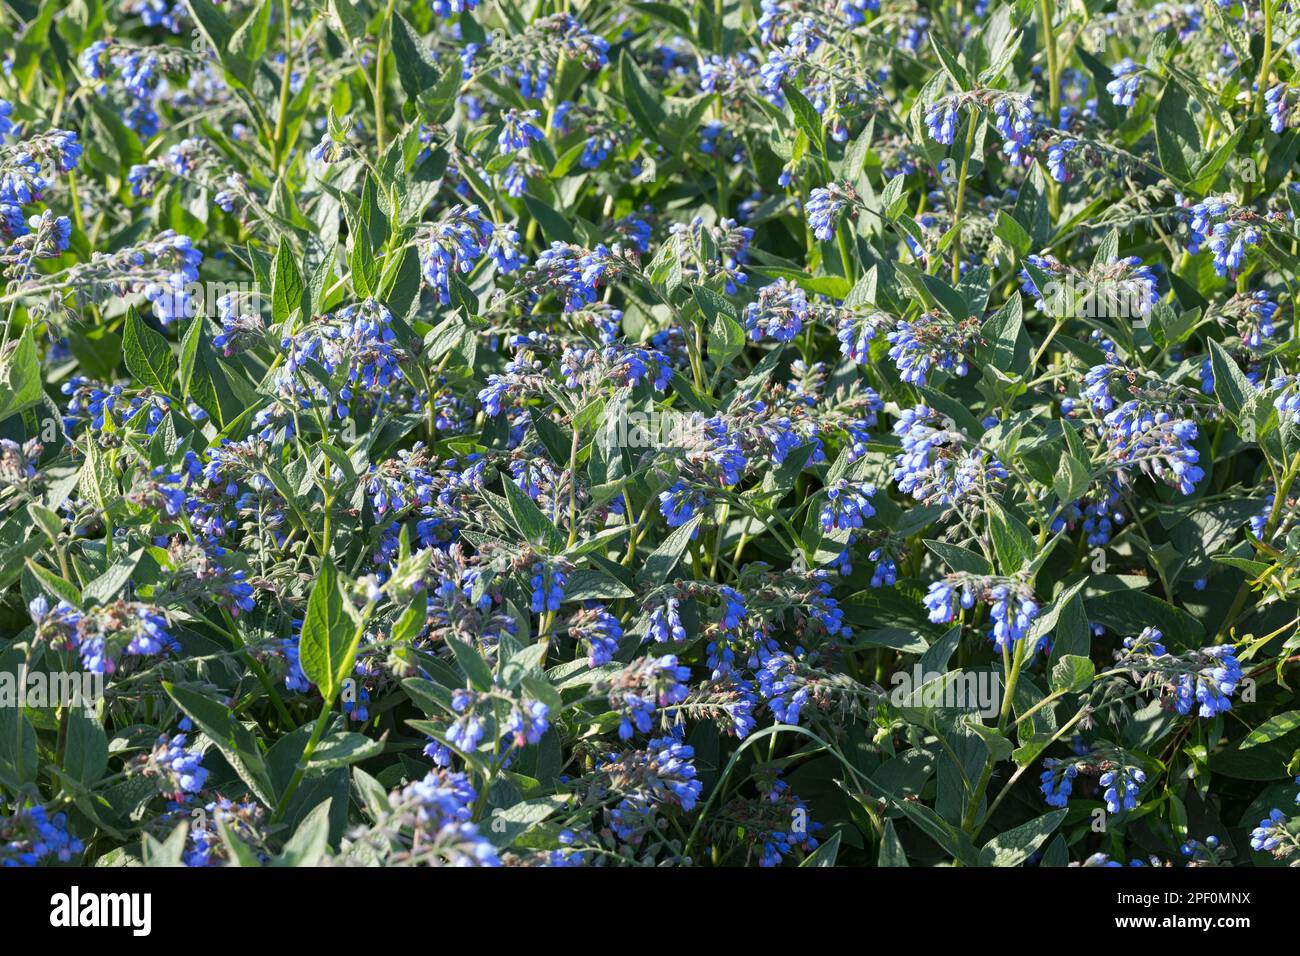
(454, 433)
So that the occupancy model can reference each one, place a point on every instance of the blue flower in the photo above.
(1057, 160)
(518, 130)
(1287, 401)
(548, 587)
(453, 244)
(885, 573)
(528, 722)
(824, 205)
(1121, 788)
(600, 631)
(1014, 119)
(847, 505)
(666, 623)
(183, 768)
(1127, 80)
(680, 503)
(1271, 832)
(1212, 685)
(942, 600)
(780, 312)
(1277, 104)
(1013, 611)
(941, 121)
(1057, 781)
(1155, 442)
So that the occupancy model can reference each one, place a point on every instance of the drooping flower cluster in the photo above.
(1012, 606)
(1202, 679)
(104, 635)
(31, 837)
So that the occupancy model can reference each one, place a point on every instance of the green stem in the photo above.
(286, 13)
(379, 78)
(317, 732)
(1265, 61)
(1053, 92)
(972, 123)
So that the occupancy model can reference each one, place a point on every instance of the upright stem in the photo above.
(1265, 61)
(1011, 663)
(317, 732)
(379, 78)
(1053, 67)
(286, 13)
(1053, 92)
(972, 123)
(573, 489)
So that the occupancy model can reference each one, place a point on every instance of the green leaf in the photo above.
(148, 356)
(471, 663)
(557, 441)
(956, 72)
(891, 848)
(310, 842)
(86, 755)
(190, 354)
(327, 647)
(959, 558)
(904, 640)
(169, 852)
(60, 587)
(508, 824)
(1231, 387)
(1012, 233)
(1072, 479)
(1072, 632)
(249, 41)
(675, 17)
(953, 840)
(1272, 729)
(1178, 139)
(286, 284)
(218, 32)
(806, 117)
(341, 749)
(893, 199)
(415, 68)
(659, 565)
(825, 854)
(1031, 209)
(235, 741)
(534, 525)
(949, 299)
(726, 336)
(1012, 541)
(349, 19)
(1072, 673)
(1119, 609)
(999, 746)
(554, 226)
(1019, 843)
(20, 377)
(437, 105)
(587, 584)
(106, 587)
(1208, 173)
(641, 103)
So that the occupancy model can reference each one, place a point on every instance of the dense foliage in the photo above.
(552, 433)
